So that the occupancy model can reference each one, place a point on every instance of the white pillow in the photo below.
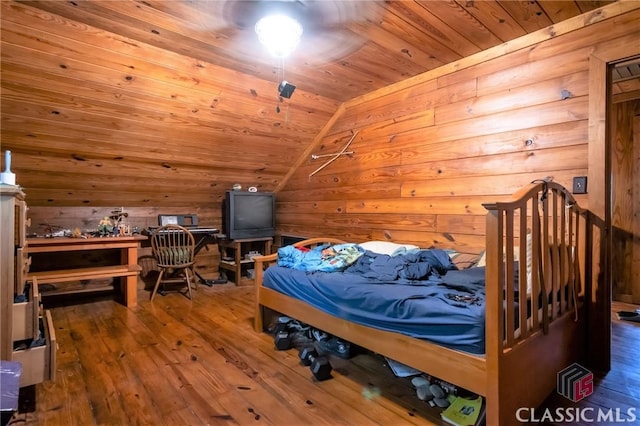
(464, 260)
(387, 247)
(516, 258)
(483, 259)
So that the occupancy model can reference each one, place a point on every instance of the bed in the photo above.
(530, 322)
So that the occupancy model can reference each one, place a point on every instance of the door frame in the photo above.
(600, 193)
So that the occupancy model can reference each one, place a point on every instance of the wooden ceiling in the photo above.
(168, 103)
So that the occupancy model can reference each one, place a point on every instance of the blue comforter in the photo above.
(443, 305)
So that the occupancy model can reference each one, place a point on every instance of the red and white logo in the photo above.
(575, 382)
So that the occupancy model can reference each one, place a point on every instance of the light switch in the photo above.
(580, 185)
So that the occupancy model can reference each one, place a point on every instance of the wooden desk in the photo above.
(128, 268)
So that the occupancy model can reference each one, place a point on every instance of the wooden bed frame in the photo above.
(520, 366)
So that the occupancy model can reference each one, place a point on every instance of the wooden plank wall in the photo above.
(115, 121)
(429, 151)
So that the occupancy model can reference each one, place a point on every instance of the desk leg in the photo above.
(131, 291)
(201, 242)
(129, 286)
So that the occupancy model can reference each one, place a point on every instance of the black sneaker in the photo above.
(319, 334)
(280, 324)
(297, 326)
(335, 346)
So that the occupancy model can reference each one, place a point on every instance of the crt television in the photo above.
(249, 214)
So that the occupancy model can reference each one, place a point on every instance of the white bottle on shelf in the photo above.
(7, 177)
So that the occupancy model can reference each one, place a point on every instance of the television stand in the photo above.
(236, 258)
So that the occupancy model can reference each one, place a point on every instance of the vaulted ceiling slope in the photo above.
(168, 103)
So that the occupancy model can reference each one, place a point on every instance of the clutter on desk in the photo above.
(120, 226)
(115, 224)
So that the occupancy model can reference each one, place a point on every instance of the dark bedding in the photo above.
(444, 306)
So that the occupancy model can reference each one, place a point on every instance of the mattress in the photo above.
(447, 310)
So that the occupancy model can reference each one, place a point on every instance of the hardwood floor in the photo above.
(616, 393)
(177, 362)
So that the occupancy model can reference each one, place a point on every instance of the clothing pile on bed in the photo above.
(403, 267)
(412, 291)
(327, 258)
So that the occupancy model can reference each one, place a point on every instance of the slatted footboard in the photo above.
(540, 248)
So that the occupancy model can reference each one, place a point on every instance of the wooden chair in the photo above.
(173, 246)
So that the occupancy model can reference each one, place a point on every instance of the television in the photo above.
(249, 214)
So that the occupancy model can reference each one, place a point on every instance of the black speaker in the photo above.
(285, 89)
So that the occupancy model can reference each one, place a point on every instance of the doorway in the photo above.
(601, 193)
(624, 130)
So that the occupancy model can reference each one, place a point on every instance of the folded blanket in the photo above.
(327, 258)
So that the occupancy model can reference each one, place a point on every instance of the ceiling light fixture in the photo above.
(279, 33)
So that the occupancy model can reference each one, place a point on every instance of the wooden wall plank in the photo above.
(403, 222)
(529, 15)
(417, 15)
(425, 205)
(482, 185)
(469, 26)
(499, 20)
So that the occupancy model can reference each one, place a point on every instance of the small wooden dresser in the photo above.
(26, 330)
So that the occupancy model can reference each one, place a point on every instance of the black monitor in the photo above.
(186, 220)
(249, 214)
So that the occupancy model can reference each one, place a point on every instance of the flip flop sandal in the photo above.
(629, 316)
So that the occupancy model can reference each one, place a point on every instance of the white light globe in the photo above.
(279, 33)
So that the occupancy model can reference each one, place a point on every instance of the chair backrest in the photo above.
(173, 246)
